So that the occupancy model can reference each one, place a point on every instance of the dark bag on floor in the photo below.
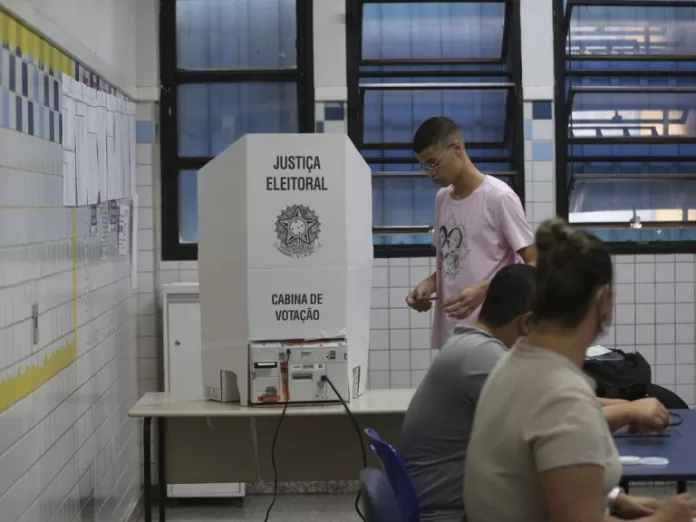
(619, 375)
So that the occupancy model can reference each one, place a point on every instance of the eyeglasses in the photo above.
(432, 165)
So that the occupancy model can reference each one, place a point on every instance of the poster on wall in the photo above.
(69, 160)
(99, 161)
(104, 230)
(93, 221)
(124, 230)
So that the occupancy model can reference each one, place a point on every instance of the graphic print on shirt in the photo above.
(453, 247)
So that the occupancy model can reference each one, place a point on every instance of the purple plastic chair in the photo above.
(398, 476)
(379, 503)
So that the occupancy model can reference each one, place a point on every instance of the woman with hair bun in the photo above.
(541, 449)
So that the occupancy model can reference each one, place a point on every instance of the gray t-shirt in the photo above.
(437, 425)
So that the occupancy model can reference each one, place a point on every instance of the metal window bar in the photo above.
(634, 177)
(632, 73)
(435, 86)
(402, 230)
(189, 76)
(363, 2)
(423, 175)
(478, 73)
(396, 146)
(631, 58)
(632, 140)
(422, 62)
(405, 161)
(643, 224)
(599, 130)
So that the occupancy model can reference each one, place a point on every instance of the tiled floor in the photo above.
(310, 508)
(288, 508)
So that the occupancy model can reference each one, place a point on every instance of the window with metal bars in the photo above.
(228, 68)
(410, 60)
(626, 121)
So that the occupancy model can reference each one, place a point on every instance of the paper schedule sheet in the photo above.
(98, 145)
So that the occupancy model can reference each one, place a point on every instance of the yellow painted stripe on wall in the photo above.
(44, 50)
(3, 26)
(33, 44)
(23, 38)
(16, 387)
(12, 32)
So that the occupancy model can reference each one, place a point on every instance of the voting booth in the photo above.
(285, 269)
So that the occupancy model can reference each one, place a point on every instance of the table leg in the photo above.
(147, 470)
(681, 487)
(162, 475)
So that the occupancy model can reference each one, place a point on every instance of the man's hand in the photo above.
(648, 414)
(676, 509)
(465, 302)
(420, 298)
(630, 507)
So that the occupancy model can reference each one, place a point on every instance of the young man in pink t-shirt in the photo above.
(480, 227)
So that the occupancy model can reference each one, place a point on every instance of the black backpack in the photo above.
(619, 375)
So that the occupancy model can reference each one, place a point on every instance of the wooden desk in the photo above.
(202, 441)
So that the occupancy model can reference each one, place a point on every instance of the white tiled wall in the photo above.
(149, 336)
(654, 314)
(67, 449)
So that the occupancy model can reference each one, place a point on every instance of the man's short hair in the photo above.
(509, 295)
(435, 131)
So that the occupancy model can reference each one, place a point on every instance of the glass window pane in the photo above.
(631, 31)
(393, 116)
(236, 34)
(188, 206)
(433, 31)
(212, 117)
(403, 202)
(610, 114)
(619, 201)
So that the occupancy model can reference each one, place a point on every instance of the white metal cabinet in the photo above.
(182, 369)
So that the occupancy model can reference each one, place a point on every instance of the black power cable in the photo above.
(357, 432)
(273, 445)
(324, 378)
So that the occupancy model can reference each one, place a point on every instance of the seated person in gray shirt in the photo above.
(437, 425)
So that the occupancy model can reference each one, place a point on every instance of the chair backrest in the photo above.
(398, 476)
(379, 503)
(668, 398)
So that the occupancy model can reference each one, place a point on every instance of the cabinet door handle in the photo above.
(177, 343)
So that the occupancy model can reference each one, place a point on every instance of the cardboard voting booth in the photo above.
(285, 269)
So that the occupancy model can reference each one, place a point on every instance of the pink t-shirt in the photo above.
(474, 238)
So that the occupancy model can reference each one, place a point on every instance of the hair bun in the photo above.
(558, 242)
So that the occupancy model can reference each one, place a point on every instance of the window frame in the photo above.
(563, 96)
(511, 39)
(171, 78)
